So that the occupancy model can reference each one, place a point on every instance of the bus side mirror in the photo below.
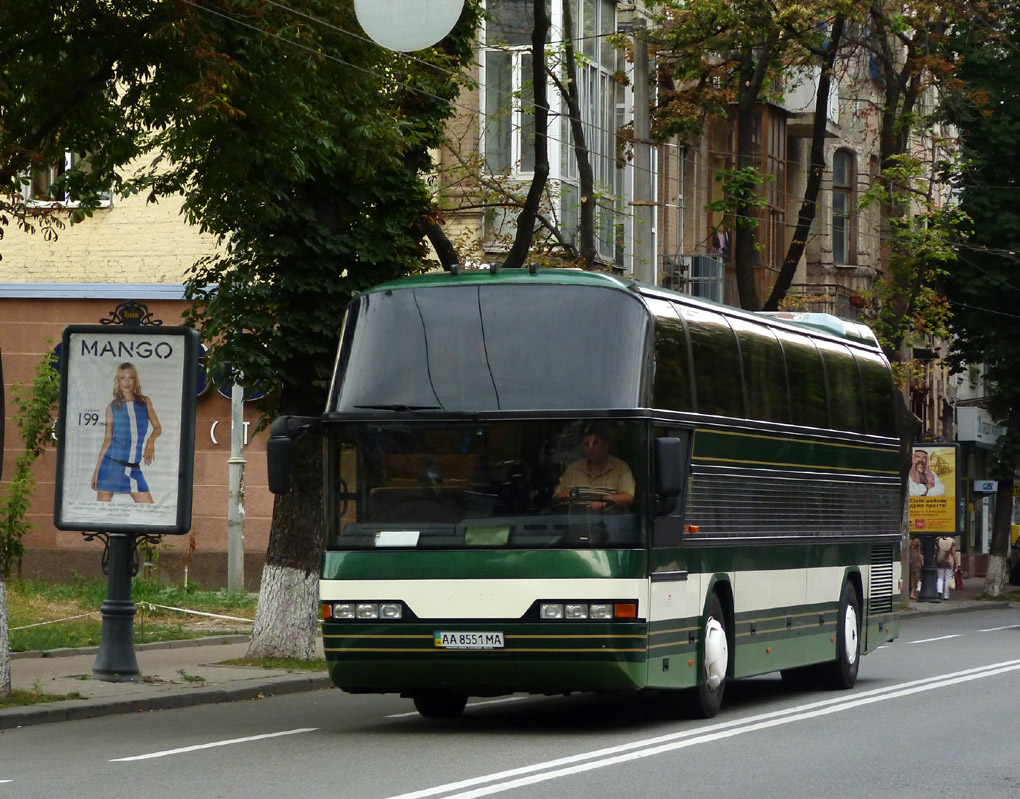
(670, 454)
(282, 433)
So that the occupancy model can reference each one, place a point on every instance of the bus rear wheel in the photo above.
(440, 705)
(705, 700)
(841, 673)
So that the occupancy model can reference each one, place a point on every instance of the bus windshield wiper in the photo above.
(399, 407)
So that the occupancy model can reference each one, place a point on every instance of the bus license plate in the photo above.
(467, 640)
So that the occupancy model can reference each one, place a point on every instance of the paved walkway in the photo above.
(185, 673)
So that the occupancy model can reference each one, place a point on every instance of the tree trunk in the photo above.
(285, 619)
(5, 643)
(526, 218)
(816, 166)
(997, 575)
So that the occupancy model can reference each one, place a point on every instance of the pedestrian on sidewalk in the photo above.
(916, 563)
(945, 563)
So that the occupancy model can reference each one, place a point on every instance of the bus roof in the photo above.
(822, 322)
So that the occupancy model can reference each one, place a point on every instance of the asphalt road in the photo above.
(934, 714)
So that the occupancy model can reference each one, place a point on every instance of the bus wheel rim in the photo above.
(716, 653)
(850, 633)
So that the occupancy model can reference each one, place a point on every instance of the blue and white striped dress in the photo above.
(120, 471)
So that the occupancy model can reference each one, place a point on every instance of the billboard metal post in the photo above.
(116, 661)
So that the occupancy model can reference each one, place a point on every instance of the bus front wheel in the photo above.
(841, 673)
(706, 699)
(440, 705)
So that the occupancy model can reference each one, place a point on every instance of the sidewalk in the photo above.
(959, 601)
(170, 678)
(170, 672)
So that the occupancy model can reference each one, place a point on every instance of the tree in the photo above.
(296, 142)
(724, 59)
(982, 286)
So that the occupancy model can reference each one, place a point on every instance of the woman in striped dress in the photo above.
(129, 418)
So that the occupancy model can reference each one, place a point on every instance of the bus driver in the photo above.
(599, 473)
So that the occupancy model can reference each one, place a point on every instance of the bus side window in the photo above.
(718, 379)
(764, 371)
(671, 387)
(879, 395)
(809, 403)
(844, 381)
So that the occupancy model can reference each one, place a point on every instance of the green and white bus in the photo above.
(763, 534)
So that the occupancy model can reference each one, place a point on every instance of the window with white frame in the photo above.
(843, 174)
(508, 123)
(39, 188)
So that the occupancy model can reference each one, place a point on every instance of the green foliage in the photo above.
(741, 189)
(35, 420)
(983, 286)
(922, 235)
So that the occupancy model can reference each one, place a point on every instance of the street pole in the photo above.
(116, 661)
(235, 509)
(643, 202)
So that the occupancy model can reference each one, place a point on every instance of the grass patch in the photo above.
(57, 615)
(18, 698)
(287, 664)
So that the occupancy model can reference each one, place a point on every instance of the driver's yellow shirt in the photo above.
(616, 478)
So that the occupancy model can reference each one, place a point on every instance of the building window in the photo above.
(775, 189)
(842, 207)
(508, 126)
(41, 187)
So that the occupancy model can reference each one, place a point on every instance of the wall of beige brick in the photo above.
(132, 241)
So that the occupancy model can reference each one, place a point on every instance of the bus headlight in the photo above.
(344, 611)
(581, 611)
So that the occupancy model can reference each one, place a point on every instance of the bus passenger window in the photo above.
(809, 404)
(764, 371)
(844, 386)
(672, 384)
(718, 381)
(879, 396)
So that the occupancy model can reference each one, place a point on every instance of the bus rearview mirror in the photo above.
(669, 466)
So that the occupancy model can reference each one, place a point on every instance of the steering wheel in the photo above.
(584, 499)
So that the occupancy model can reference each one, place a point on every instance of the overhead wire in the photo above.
(787, 196)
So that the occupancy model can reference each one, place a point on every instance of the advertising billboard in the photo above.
(126, 430)
(932, 486)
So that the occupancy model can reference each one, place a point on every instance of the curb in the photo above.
(936, 609)
(71, 709)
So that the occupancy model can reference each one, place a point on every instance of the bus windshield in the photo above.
(498, 484)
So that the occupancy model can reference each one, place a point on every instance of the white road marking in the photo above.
(212, 745)
(499, 701)
(940, 638)
(996, 629)
(573, 764)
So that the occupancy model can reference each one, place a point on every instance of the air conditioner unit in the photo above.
(697, 274)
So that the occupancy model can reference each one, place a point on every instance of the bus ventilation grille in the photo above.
(880, 589)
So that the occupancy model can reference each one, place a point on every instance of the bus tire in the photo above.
(841, 673)
(440, 705)
(706, 698)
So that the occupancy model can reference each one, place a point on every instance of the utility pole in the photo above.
(643, 202)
